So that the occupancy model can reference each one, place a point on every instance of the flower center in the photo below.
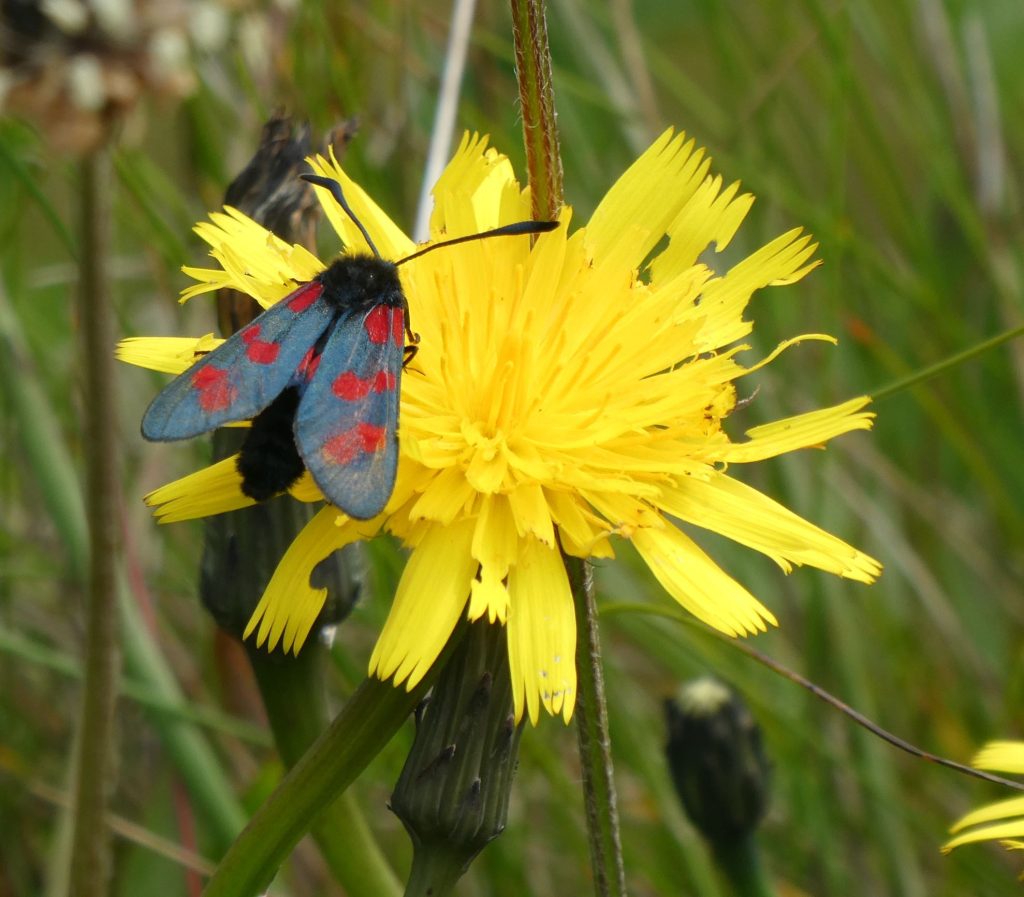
(485, 457)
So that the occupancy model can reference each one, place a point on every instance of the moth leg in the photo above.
(413, 337)
(410, 353)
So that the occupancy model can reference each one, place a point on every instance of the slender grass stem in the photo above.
(94, 768)
(860, 719)
(444, 117)
(948, 363)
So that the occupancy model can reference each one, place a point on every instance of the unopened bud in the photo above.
(453, 793)
(717, 760)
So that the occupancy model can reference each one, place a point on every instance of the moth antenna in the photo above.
(335, 188)
(507, 230)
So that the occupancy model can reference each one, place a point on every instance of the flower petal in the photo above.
(431, 597)
(477, 190)
(541, 634)
(582, 533)
(1003, 756)
(253, 260)
(743, 514)
(169, 354)
(699, 584)
(386, 235)
(1013, 806)
(212, 490)
(531, 514)
(290, 605)
(724, 299)
(495, 546)
(995, 832)
(711, 215)
(809, 430)
(635, 212)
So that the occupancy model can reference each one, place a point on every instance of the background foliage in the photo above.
(892, 130)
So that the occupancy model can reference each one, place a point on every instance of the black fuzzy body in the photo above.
(356, 283)
(269, 462)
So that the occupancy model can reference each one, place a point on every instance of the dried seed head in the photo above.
(76, 68)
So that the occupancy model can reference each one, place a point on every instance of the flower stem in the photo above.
(293, 693)
(544, 169)
(537, 103)
(599, 797)
(367, 722)
(740, 864)
(94, 770)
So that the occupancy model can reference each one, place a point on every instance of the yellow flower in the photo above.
(565, 396)
(1002, 821)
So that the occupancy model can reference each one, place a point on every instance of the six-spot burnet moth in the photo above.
(320, 375)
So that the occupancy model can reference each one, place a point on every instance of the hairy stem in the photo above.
(544, 169)
(537, 103)
(94, 768)
(600, 802)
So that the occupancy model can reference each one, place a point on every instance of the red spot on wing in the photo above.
(310, 362)
(384, 381)
(398, 326)
(305, 296)
(216, 392)
(345, 447)
(258, 350)
(351, 388)
(377, 324)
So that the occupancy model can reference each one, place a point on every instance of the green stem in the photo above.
(952, 361)
(537, 104)
(295, 699)
(94, 769)
(368, 721)
(740, 864)
(434, 872)
(599, 797)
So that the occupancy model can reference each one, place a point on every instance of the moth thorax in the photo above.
(362, 280)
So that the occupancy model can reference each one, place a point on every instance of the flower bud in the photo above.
(717, 760)
(452, 795)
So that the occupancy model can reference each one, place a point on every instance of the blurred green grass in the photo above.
(893, 132)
